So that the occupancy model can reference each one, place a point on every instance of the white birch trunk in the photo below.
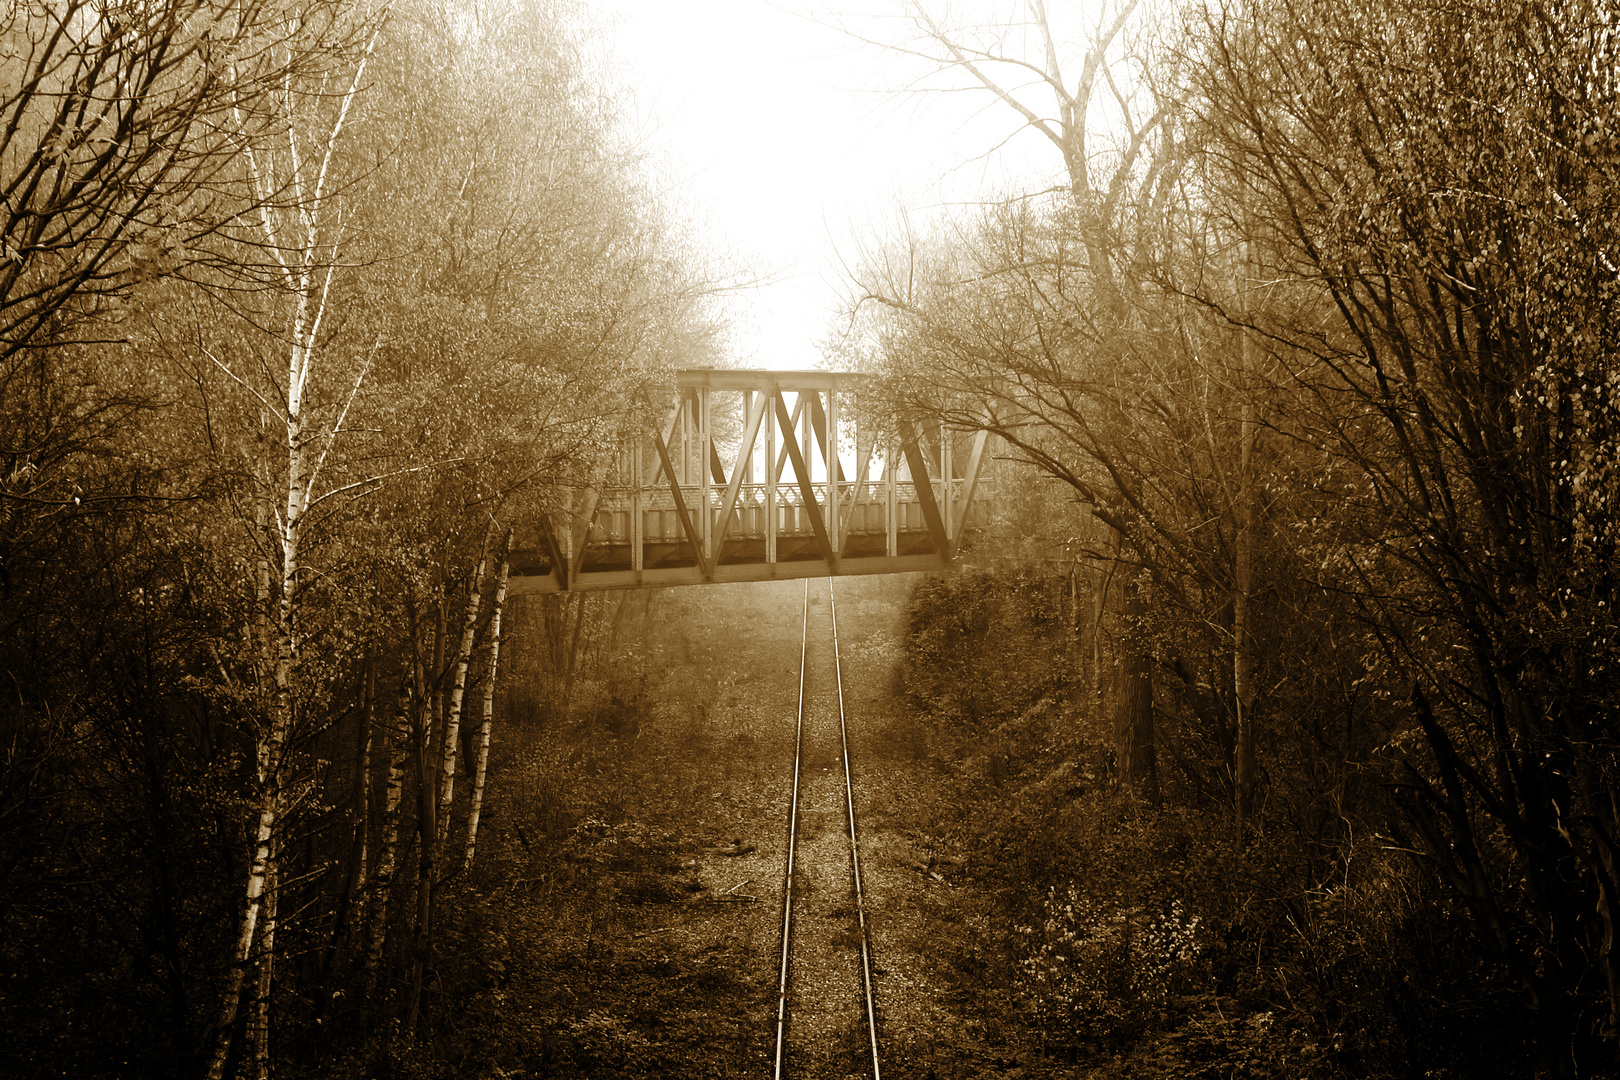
(272, 745)
(305, 280)
(452, 723)
(258, 873)
(489, 704)
(258, 1035)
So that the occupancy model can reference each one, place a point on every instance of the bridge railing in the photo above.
(864, 509)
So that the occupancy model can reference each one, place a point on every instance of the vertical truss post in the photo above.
(806, 443)
(746, 453)
(807, 436)
(771, 393)
(638, 532)
(835, 470)
(686, 442)
(704, 450)
(891, 466)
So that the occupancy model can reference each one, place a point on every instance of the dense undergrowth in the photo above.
(1142, 940)
(581, 944)
(556, 955)
(1068, 928)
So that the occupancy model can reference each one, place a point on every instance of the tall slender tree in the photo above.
(299, 233)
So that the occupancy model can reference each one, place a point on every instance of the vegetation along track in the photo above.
(826, 1024)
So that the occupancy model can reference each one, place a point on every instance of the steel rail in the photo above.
(854, 847)
(793, 836)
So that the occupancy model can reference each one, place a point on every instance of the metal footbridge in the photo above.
(764, 475)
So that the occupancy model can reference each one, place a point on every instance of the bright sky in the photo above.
(784, 137)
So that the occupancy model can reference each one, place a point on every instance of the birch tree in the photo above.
(297, 226)
(317, 333)
(486, 725)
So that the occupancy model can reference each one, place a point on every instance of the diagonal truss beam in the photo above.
(728, 501)
(582, 531)
(693, 537)
(970, 483)
(829, 449)
(863, 467)
(666, 432)
(559, 565)
(717, 468)
(790, 443)
(791, 426)
(925, 489)
(713, 542)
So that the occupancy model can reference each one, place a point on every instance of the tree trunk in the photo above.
(272, 745)
(396, 747)
(452, 722)
(1243, 658)
(1138, 750)
(572, 660)
(426, 834)
(359, 856)
(349, 922)
(258, 875)
(306, 283)
(489, 703)
(258, 1034)
(433, 685)
(608, 642)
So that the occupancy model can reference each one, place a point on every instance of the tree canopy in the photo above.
(1324, 340)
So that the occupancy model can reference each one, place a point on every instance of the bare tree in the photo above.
(1052, 317)
(1429, 192)
(123, 124)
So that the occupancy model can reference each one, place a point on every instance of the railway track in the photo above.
(826, 1022)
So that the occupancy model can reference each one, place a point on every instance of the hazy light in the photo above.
(788, 140)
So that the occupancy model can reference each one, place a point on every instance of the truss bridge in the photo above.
(763, 475)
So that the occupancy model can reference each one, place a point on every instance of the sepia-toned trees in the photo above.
(310, 308)
(530, 286)
(1019, 321)
(1442, 178)
(1341, 387)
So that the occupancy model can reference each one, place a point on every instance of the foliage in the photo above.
(266, 414)
(1461, 246)
(949, 663)
(1302, 951)
(1340, 396)
(1100, 973)
(123, 125)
